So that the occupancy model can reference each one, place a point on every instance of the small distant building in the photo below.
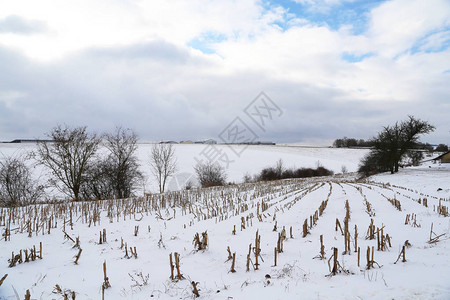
(20, 141)
(186, 142)
(260, 143)
(168, 142)
(266, 143)
(444, 158)
(208, 141)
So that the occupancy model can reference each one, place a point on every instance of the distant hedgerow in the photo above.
(278, 172)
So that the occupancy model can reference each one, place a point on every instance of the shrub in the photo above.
(99, 182)
(210, 174)
(321, 171)
(414, 157)
(373, 163)
(16, 184)
(441, 148)
(268, 174)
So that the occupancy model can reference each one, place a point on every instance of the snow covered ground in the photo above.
(168, 225)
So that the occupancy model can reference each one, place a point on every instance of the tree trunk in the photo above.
(164, 184)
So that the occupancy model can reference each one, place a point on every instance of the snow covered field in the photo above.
(168, 225)
(251, 159)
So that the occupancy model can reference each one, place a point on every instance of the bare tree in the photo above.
(392, 144)
(210, 174)
(68, 157)
(17, 186)
(122, 145)
(117, 174)
(247, 178)
(163, 163)
(279, 168)
(344, 169)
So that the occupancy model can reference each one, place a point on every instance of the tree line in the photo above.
(346, 142)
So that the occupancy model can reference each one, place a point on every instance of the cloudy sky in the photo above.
(186, 69)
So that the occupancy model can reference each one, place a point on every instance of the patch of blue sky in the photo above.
(435, 41)
(282, 23)
(353, 13)
(352, 58)
(205, 42)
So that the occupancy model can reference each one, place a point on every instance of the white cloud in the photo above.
(395, 26)
(313, 54)
(82, 24)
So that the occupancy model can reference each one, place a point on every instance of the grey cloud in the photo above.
(18, 25)
(157, 50)
(82, 90)
(180, 97)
